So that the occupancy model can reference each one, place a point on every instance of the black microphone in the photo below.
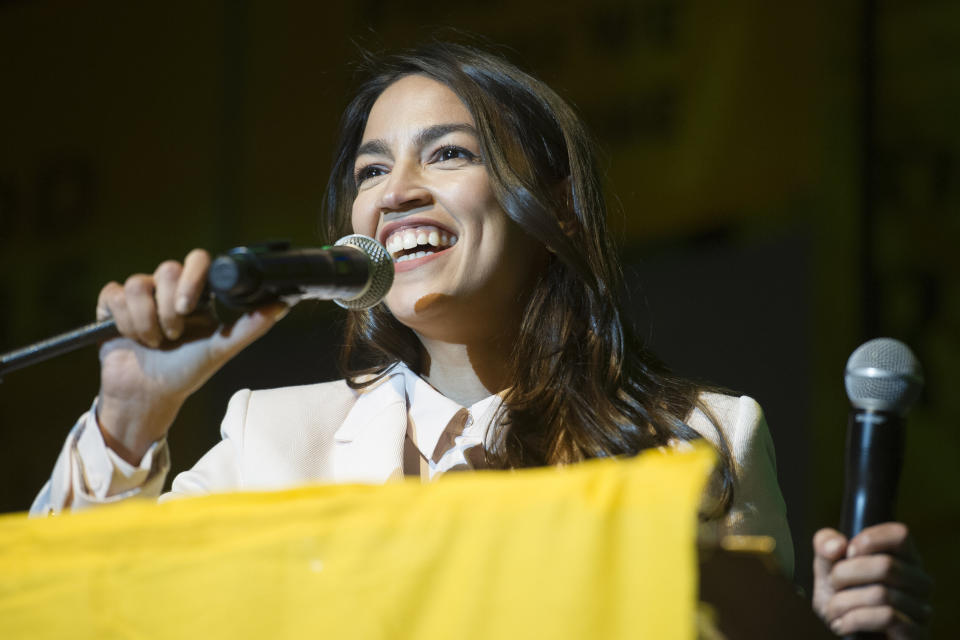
(883, 380)
(356, 273)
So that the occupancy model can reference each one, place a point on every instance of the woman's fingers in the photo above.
(880, 568)
(878, 619)
(151, 308)
(113, 304)
(873, 582)
(139, 290)
(166, 279)
(192, 281)
(876, 595)
(883, 553)
(829, 545)
(889, 537)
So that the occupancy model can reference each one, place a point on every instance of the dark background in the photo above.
(784, 181)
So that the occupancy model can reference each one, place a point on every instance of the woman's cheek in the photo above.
(361, 221)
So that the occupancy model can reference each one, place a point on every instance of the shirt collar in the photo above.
(431, 411)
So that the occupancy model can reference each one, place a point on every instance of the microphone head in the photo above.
(883, 375)
(381, 272)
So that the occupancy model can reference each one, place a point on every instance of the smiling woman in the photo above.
(527, 301)
(502, 344)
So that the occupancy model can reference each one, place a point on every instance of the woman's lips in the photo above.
(410, 239)
(408, 264)
(390, 229)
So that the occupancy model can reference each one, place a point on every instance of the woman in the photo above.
(501, 344)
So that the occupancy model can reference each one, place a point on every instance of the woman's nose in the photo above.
(403, 190)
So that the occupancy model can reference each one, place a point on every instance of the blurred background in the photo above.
(785, 182)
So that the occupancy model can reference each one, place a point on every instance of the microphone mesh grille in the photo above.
(883, 374)
(381, 272)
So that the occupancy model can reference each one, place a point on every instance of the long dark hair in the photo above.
(581, 383)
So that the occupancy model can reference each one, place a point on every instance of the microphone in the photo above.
(883, 380)
(356, 273)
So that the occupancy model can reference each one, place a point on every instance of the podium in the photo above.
(742, 595)
(603, 549)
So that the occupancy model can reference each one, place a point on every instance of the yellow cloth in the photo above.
(605, 549)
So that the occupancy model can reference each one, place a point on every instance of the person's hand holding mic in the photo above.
(869, 580)
(164, 353)
(170, 343)
(872, 583)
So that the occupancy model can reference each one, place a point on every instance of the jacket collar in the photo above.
(368, 446)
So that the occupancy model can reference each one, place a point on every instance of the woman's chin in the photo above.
(418, 310)
(410, 306)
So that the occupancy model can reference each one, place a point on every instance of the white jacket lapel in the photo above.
(368, 446)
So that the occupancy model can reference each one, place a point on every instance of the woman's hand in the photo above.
(163, 356)
(874, 582)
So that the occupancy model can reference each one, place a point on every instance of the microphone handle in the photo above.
(205, 316)
(875, 441)
(874, 458)
(57, 345)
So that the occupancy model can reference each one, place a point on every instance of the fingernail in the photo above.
(832, 546)
(183, 305)
(837, 626)
(852, 551)
(281, 313)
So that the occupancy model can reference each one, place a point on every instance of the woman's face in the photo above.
(423, 191)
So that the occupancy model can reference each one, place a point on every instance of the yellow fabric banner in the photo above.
(604, 549)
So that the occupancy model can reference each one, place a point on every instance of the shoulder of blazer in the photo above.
(335, 394)
(324, 405)
(321, 406)
(734, 415)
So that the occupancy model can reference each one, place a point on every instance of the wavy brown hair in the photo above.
(581, 383)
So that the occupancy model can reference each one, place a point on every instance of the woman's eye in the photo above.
(445, 154)
(365, 173)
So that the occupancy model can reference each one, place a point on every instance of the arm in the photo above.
(117, 450)
(87, 472)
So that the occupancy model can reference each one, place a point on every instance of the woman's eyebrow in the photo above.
(422, 139)
(375, 148)
(437, 131)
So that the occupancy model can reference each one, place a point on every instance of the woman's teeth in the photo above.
(400, 243)
(411, 256)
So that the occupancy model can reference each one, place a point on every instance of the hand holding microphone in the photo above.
(868, 580)
(356, 273)
(171, 344)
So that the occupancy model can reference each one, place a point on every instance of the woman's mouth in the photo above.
(414, 242)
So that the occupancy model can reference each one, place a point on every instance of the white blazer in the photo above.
(328, 432)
